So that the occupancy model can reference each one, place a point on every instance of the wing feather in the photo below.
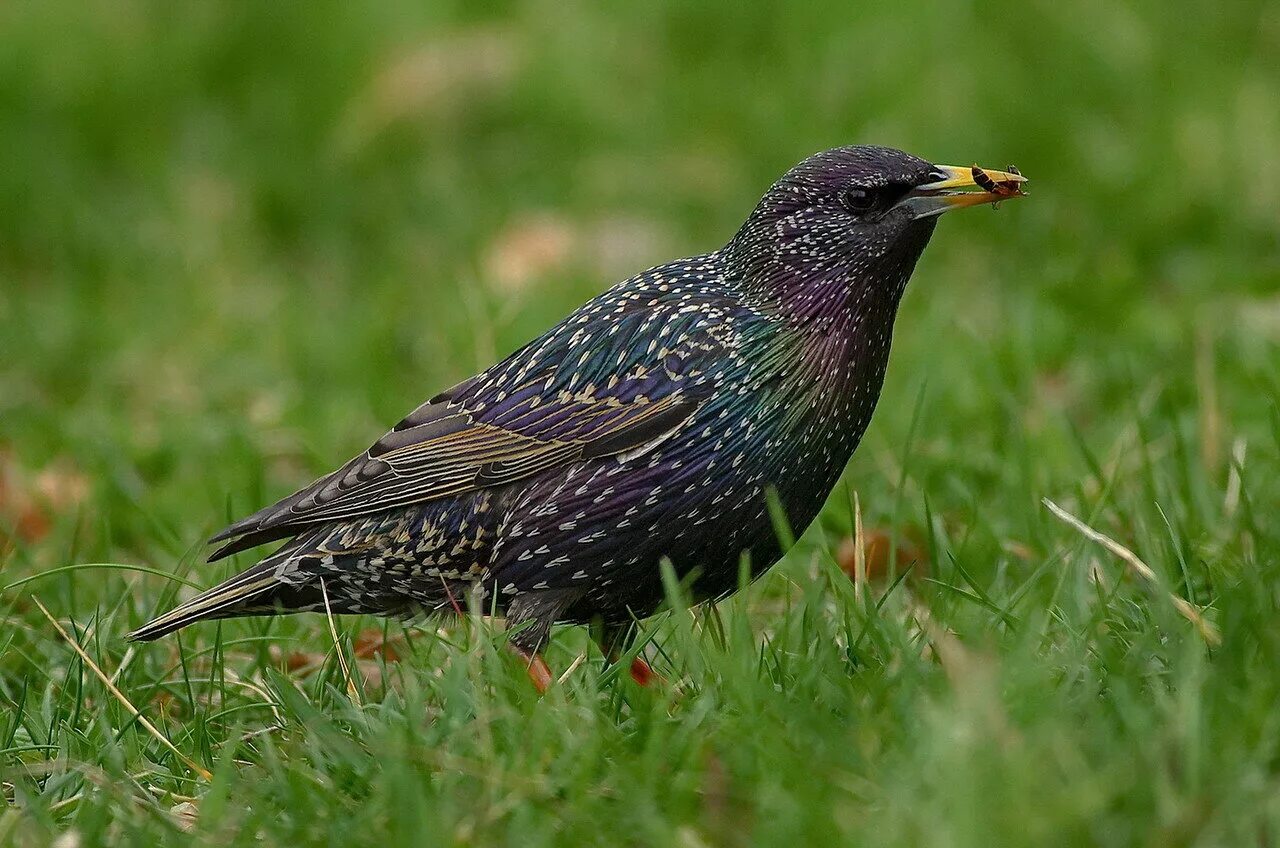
(557, 401)
(454, 454)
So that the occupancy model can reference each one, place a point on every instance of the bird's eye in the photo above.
(858, 200)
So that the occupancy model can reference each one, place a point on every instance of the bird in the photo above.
(653, 424)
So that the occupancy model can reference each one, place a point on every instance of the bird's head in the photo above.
(854, 220)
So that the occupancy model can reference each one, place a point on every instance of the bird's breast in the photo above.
(787, 421)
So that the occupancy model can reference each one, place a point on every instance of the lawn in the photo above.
(237, 241)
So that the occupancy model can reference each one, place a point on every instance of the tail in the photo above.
(252, 591)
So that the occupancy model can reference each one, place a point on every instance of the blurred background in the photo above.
(238, 239)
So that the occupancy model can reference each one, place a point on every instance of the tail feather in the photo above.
(248, 591)
(222, 601)
(289, 580)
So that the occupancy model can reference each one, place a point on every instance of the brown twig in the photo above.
(1185, 608)
(120, 696)
(352, 692)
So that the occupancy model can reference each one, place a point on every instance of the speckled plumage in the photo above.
(650, 423)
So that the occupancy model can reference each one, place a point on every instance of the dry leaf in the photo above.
(29, 502)
(166, 704)
(370, 645)
(296, 661)
(185, 815)
(442, 76)
(529, 250)
(620, 245)
(876, 547)
(538, 244)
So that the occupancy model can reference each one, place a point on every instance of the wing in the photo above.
(560, 400)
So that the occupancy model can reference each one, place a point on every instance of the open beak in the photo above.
(957, 187)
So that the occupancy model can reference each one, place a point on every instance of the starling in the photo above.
(651, 423)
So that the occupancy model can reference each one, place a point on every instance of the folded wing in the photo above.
(448, 447)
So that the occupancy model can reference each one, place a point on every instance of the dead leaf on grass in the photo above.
(31, 501)
(877, 548)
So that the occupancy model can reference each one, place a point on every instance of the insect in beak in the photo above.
(952, 189)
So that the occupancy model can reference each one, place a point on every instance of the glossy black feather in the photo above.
(649, 425)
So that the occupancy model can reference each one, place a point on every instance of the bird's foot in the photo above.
(536, 667)
(643, 674)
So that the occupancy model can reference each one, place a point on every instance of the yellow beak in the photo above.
(951, 189)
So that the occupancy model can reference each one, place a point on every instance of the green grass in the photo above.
(238, 240)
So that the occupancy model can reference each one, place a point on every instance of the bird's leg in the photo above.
(530, 616)
(643, 674)
(610, 638)
(536, 667)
